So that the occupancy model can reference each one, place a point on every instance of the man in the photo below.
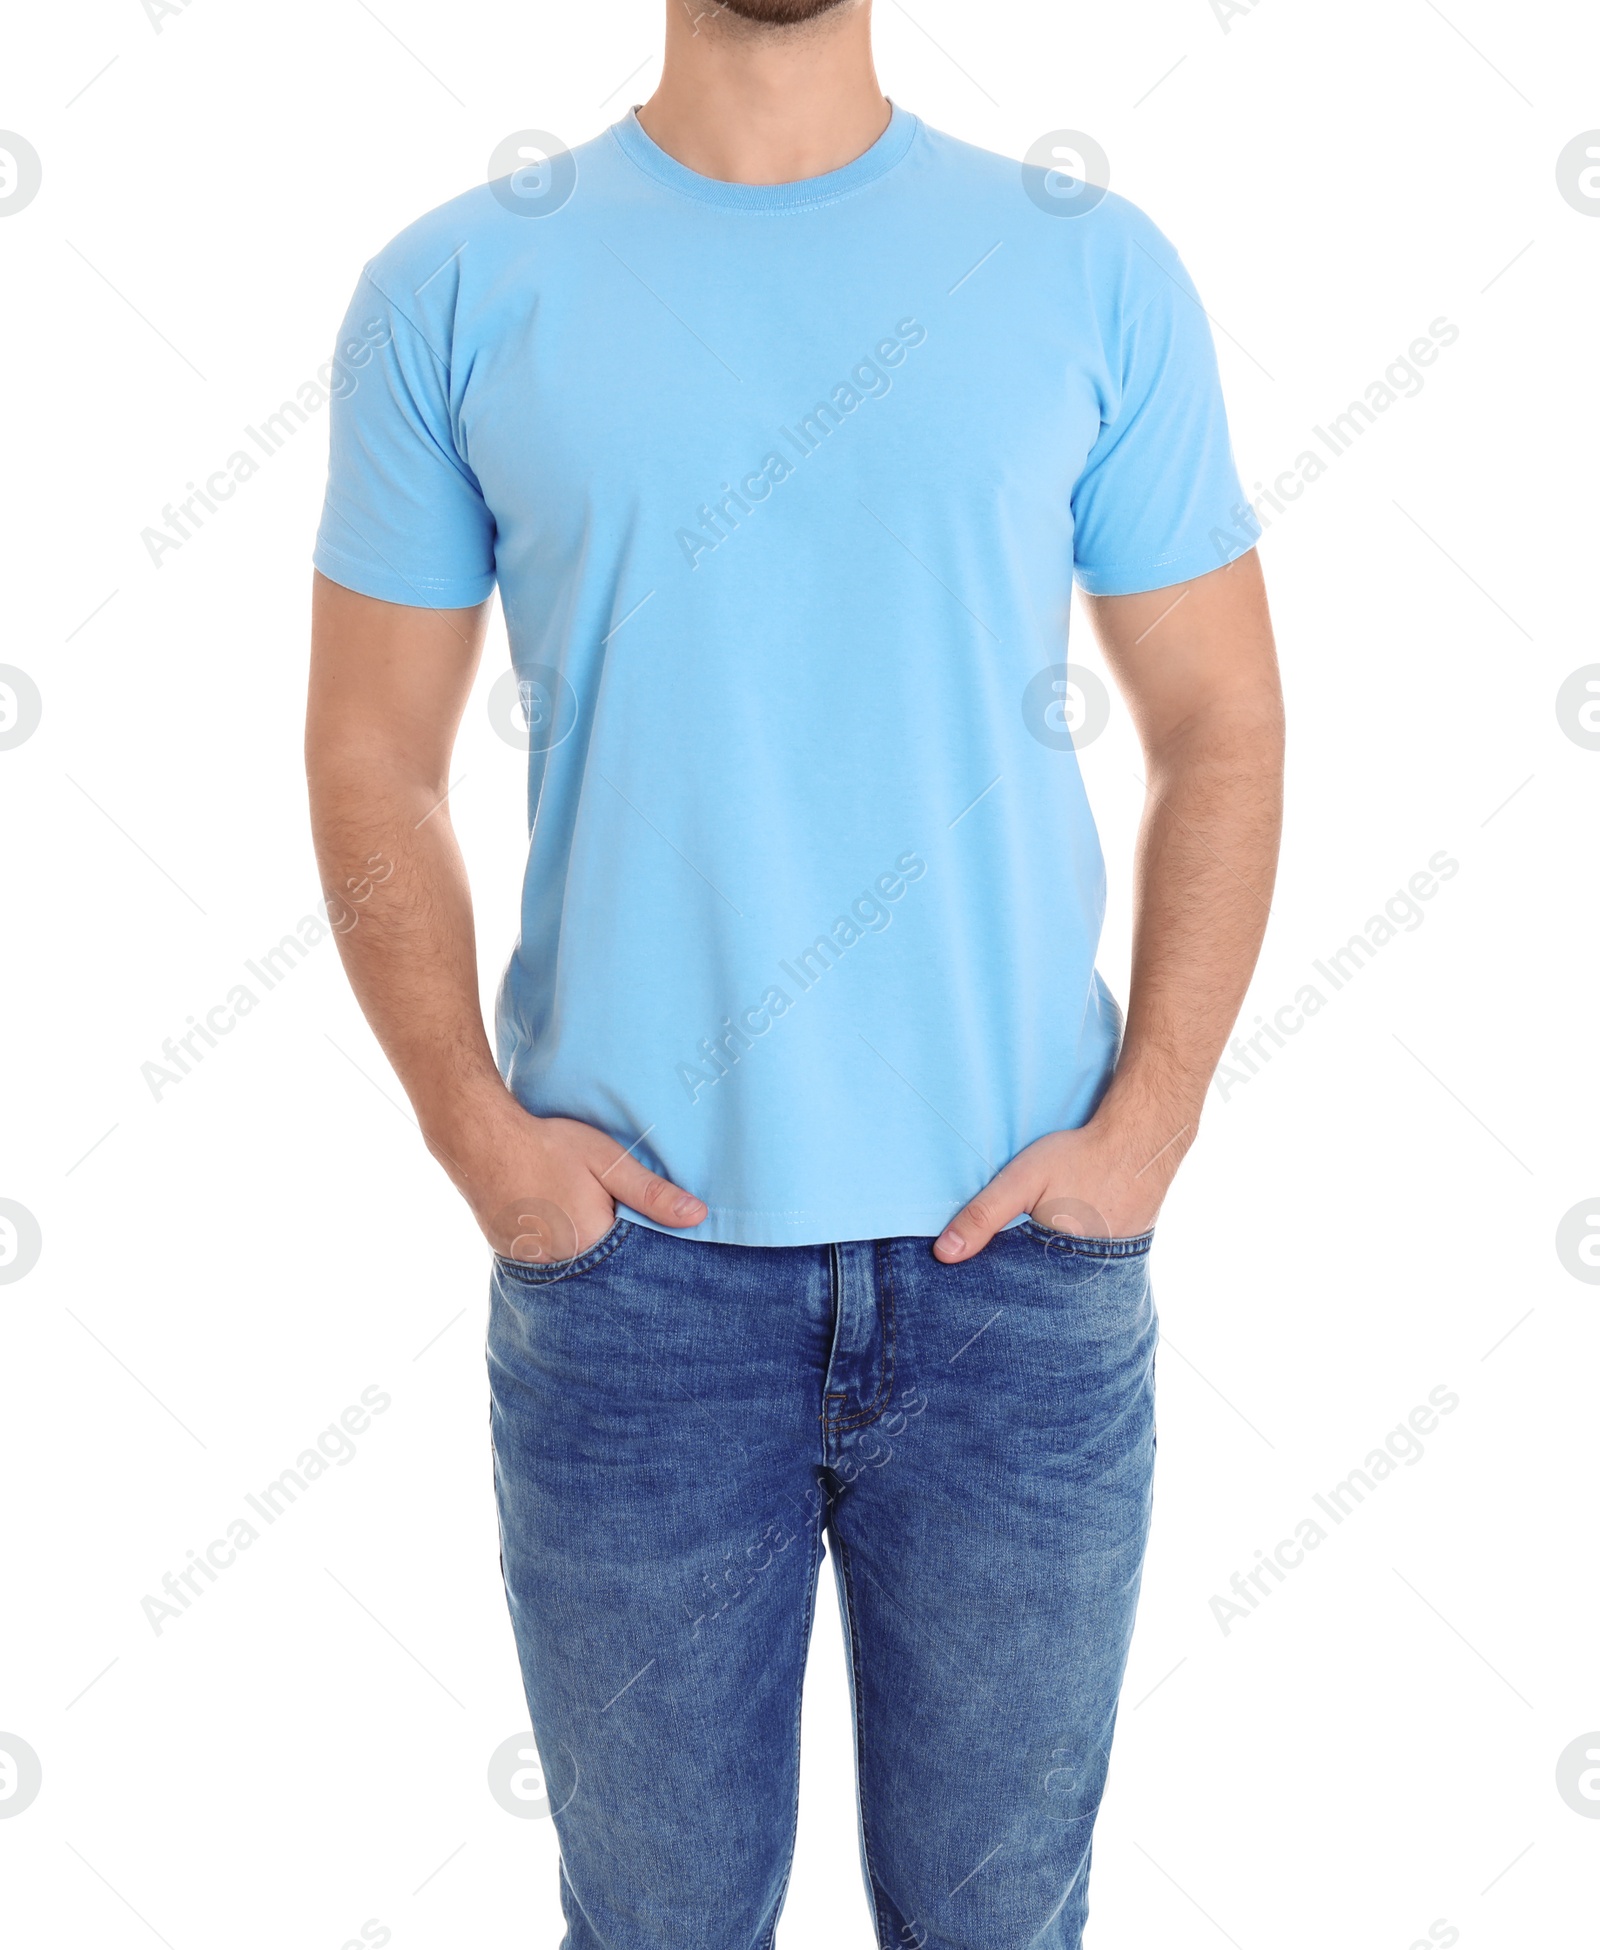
(820, 1175)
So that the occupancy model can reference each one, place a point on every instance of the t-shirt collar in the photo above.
(872, 163)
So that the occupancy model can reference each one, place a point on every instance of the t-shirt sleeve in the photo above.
(404, 518)
(1159, 499)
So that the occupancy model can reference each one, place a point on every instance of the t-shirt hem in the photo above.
(730, 1226)
(1135, 579)
(391, 586)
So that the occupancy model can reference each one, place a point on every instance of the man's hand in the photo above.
(547, 1188)
(1091, 1182)
(1197, 668)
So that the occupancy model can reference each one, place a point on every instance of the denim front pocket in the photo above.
(1133, 1247)
(532, 1272)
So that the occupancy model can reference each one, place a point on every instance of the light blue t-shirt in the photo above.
(784, 489)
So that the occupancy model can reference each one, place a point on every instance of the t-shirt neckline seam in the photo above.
(769, 199)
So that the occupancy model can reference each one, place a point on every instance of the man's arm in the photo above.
(388, 687)
(1197, 667)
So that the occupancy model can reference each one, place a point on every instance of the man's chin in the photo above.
(779, 13)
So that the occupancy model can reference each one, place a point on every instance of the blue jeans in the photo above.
(677, 1425)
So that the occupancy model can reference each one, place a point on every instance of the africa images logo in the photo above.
(870, 913)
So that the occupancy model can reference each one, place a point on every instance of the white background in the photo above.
(1372, 1215)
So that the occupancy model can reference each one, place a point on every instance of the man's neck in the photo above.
(752, 104)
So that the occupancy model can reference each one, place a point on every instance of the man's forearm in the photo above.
(1206, 701)
(1207, 857)
(388, 686)
(397, 887)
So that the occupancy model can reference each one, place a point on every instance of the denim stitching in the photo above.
(880, 1401)
(836, 1294)
(1133, 1247)
(528, 1273)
